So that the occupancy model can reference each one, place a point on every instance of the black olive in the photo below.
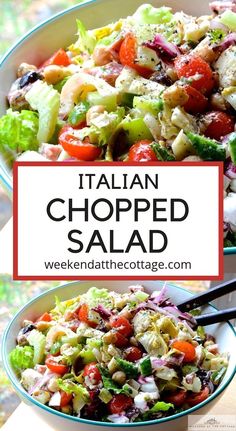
(29, 78)
(161, 77)
(78, 365)
(27, 328)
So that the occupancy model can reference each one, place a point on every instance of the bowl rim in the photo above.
(17, 386)
(5, 177)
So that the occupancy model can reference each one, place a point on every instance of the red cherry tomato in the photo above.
(218, 124)
(65, 399)
(133, 354)
(187, 348)
(122, 325)
(141, 151)
(82, 150)
(44, 318)
(176, 398)
(120, 340)
(119, 403)
(92, 371)
(197, 102)
(83, 316)
(59, 58)
(127, 56)
(194, 399)
(55, 366)
(187, 66)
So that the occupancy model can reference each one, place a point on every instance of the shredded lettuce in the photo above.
(21, 358)
(73, 388)
(86, 41)
(18, 132)
(38, 341)
(147, 14)
(96, 296)
(161, 406)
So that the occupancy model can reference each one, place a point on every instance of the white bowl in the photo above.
(223, 332)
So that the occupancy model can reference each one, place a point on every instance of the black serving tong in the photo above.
(205, 297)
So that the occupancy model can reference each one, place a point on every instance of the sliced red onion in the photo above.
(159, 296)
(230, 171)
(189, 378)
(215, 24)
(157, 362)
(167, 51)
(102, 311)
(228, 41)
(142, 380)
(55, 400)
(43, 381)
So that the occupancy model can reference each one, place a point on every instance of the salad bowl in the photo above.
(60, 31)
(223, 332)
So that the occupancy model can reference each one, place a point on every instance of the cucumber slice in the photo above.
(147, 104)
(38, 341)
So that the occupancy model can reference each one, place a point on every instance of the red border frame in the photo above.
(220, 276)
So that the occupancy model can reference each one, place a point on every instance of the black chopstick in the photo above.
(219, 316)
(205, 297)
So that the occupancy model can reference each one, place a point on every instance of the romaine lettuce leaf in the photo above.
(21, 358)
(18, 132)
(73, 388)
(86, 41)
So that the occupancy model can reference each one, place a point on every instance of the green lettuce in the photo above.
(228, 18)
(86, 41)
(161, 406)
(96, 296)
(73, 388)
(18, 132)
(147, 14)
(22, 357)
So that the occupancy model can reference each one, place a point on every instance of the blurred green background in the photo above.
(18, 16)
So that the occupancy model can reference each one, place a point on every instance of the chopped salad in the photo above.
(118, 358)
(156, 85)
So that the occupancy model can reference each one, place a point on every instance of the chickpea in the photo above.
(119, 377)
(53, 73)
(94, 112)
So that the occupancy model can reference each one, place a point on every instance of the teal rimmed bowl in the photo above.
(223, 332)
(59, 31)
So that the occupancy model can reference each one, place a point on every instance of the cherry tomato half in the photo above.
(194, 399)
(127, 56)
(122, 325)
(120, 339)
(83, 316)
(188, 66)
(218, 124)
(141, 151)
(44, 318)
(176, 398)
(82, 150)
(65, 399)
(119, 403)
(59, 58)
(91, 370)
(187, 348)
(55, 366)
(196, 102)
(133, 354)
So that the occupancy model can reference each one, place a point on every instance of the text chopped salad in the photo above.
(156, 85)
(118, 358)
